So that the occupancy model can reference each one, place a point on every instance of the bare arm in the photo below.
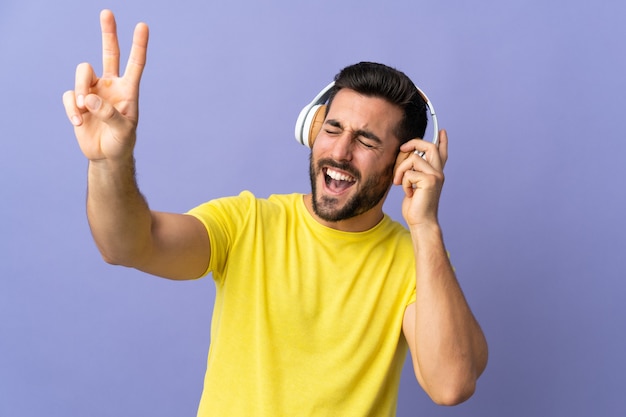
(128, 233)
(448, 348)
(104, 111)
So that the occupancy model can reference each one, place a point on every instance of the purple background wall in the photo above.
(531, 92)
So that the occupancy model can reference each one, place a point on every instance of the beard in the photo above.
(369, 194)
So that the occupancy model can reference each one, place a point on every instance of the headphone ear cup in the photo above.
(311, 117)
(301, 128)
(317, 120)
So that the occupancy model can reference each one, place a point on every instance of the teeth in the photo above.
(338, 176)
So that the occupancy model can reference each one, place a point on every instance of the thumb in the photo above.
(104, 111)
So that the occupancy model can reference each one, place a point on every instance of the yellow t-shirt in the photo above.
(307, 320)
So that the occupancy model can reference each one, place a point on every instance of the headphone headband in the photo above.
(311, 117)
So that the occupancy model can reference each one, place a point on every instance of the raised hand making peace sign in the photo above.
(104, 110)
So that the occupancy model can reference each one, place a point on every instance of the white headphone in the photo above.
(312, 116)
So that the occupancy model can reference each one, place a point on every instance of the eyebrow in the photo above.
(359, 132)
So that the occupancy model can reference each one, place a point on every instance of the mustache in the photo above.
(343, 166)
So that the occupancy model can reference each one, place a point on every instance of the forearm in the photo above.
(450, 348)
(118, 214)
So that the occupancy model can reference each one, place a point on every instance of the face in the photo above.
(353, 156)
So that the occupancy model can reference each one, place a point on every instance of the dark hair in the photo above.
(378, 80)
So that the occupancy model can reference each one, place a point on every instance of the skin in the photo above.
(358, 134)
(104, 112)
(357, 140)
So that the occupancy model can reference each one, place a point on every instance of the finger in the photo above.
(417, 146)
(420, 152)
(110, 45)
(408, 162)
(138, 53)
(402, 156)
(72, 111)
(407, 150)
(85, 78)
(427, 151)
(408, 183)
(104, 111)
(443, 146)
(403, 164)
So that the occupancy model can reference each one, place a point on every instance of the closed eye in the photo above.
(366, 143)
(365, 137)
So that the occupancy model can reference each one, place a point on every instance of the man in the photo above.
(320, 295)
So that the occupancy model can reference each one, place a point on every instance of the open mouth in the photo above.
(337, 181)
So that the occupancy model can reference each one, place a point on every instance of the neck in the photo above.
(359, 223)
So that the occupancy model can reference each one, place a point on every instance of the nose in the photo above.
(342, 147)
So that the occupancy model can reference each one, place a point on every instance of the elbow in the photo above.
(453, 394)
(119, 258)
(461, 384)
(112, 259)
(454, 389)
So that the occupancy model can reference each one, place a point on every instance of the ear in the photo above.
(316, 123)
